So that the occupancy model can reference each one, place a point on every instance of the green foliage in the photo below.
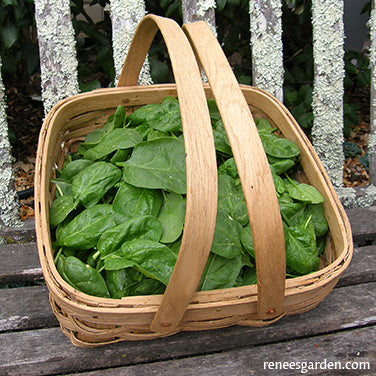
(18, 47)
(123, 221)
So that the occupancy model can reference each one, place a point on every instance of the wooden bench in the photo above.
(341, 329)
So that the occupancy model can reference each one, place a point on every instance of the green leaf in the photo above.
(84, 230)
(247, 240)
(146, 227)
(221, 141)
(157, 164)
(229, 168)
(91, 184)
(119, 138)
(231, 199)
(152, 259)
(301, 251)
(119, 282)
(84, 278)
(226, 241)
(9, 34)
(89, 86)
(60, 208)
(172, 216)
(306, 193)
(220, 272)
(132, 201)
(279, 147)
(71, 169)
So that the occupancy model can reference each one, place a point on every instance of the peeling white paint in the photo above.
(266, 45)
(9, 207)
(57, 48)
(357, 323)
(125, 16)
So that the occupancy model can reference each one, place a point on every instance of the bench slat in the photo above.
(19, 263)
(48, 351)
(356, 346)
(25, 308)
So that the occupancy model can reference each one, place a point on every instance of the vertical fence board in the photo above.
(372, 135)
(57, 51)
(266, 45)
(327, 132)
(199, 10)
(125, 16)
(9, 215)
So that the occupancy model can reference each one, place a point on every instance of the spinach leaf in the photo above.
(226, 241)
(60, 208)
(157, 164)
(146, 227)
(147, 286)
(85, 229)
(306, 193)
(221, 141)
(119, 138)
(172, 216)
(91, 184)
(70, 170)
(247, 277)
(63, 188)
(231, 199)
(247, 240)
(316, 211)
(119, 282)
(152, 259)
(278, 147)
(301, 251)
(132, 201)
(84, 278)
(220, 272)
(229, 168)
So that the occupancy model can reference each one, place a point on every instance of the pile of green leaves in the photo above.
(118, 216)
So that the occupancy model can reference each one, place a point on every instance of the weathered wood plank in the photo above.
(48, 351)
(23, 234)
(323, 355)
(362, 268)
(15, 316)
(25, 308)
(363, 224)
(19, 263)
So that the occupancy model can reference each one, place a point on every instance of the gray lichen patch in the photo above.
(266, 45)
(57, 49)
(125, 16)
(9, 206)
(372, 136)
(327, 132)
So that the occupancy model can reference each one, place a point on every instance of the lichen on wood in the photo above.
(327, 132)
(202, 10)
(9, 205)
(266, 45)
(372, 135)
(57, 49)
(125, 16)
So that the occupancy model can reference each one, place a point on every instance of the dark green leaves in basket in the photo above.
(157, 164)
(91, 184)
(120, 204)
(82, 276)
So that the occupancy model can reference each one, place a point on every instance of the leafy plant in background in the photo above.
(18, 48)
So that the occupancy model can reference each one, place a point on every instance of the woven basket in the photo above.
(92, 321)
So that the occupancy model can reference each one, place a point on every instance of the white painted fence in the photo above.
(59, 67)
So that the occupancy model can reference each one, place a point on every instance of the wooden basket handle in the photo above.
(200, 163)
(254, 172)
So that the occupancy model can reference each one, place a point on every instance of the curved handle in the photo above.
(200, 163)
(254, 172)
